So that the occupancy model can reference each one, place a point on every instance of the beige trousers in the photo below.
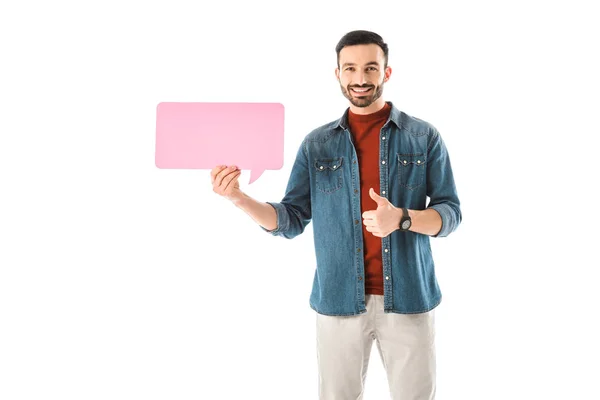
(406, 344)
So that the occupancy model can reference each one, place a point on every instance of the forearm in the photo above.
(428, 222)
(262, 213)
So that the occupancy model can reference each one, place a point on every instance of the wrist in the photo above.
(239, 199)
(404, 220)
(414, 215)
(398, 218)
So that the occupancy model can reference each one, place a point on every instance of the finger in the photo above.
(370, 220)
(231, 179)
(215, 171)
(221, 175)
(372, 228)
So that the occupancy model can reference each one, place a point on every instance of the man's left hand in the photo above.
(385, 219)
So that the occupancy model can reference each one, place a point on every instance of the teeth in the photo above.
(360, 90)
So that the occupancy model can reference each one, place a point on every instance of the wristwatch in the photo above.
(405, 221)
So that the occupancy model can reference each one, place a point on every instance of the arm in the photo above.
(427, 222)
(294, 211)
(287, 218)
(441, 190)
(262, 213)
(443, 214)
(386, 218)
(225, 183)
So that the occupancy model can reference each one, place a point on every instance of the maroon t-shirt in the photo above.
(365, 130)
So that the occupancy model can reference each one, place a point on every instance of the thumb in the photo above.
(378, 199)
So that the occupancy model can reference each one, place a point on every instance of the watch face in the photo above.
(406, 224)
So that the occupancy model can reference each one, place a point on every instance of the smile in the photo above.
(361, 90)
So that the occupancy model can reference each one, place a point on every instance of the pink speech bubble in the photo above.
(204, 135)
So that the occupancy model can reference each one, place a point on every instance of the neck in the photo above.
(374, 107)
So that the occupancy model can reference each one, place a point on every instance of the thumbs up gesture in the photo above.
(385, 219)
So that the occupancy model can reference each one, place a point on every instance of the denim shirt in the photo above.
(324, 186)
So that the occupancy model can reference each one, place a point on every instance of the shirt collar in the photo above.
(394, 117)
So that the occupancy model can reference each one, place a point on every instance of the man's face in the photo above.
(361, 73)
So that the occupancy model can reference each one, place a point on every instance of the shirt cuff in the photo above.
(281, 219)
(446, 215)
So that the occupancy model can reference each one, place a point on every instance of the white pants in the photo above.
(406, 344)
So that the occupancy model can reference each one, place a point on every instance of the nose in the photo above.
(360, 78)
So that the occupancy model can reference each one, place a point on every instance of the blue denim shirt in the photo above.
(324, 186)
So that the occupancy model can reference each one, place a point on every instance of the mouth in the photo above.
(361, 91)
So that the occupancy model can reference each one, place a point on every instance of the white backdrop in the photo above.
(122, 281)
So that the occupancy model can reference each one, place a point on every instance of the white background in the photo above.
(119, 280)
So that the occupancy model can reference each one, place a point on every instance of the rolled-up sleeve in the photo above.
(294, 211)
(441, 187)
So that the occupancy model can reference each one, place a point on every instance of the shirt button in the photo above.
(358, 250)
(386, 250)
(387, 277)
(356, 221)
(355, 190)
(383, 192)
(383, 138)
(383, 162)
(360, 278)
(334, 167)
(418, 161)
(321, 167)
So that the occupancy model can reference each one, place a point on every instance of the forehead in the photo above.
(361, 54)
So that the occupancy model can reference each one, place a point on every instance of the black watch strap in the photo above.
(405, 221)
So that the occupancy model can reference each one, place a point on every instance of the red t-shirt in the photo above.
(365, 130)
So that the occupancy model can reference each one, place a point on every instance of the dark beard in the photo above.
(364, 101)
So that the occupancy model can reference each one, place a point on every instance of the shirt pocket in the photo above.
(411, 170)
(329, 177)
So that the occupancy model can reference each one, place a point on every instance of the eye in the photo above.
(372, 69)
(350, 69)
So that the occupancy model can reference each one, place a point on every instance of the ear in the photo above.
(388, 73)
(337, 74)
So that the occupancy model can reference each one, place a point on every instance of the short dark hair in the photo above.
(361, 37)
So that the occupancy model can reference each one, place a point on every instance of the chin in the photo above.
(363, 103)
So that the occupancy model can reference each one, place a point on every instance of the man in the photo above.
(374, 280)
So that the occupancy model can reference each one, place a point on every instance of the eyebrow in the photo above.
(352, 64)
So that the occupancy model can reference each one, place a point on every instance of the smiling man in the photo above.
(366, 88)
(375, 280)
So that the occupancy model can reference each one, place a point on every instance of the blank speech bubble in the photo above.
(204, 135)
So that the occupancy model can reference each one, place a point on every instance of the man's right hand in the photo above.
(225, 182)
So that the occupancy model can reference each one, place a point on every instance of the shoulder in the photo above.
(415, 126)
(324, 132)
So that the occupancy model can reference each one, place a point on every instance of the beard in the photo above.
(365, 100)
